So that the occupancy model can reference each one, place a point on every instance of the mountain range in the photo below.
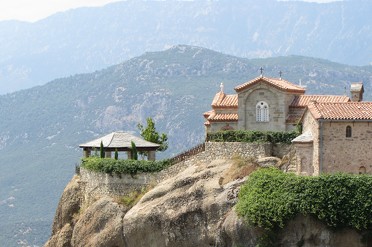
(42, 127)
(88, 39)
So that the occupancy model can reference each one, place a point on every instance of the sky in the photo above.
(33, 10)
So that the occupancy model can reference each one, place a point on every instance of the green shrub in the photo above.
(108, 165)
(270, 197)
(252, 136)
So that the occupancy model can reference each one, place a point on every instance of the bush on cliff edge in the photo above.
(252, 136)
(108, 165)
(270, 197)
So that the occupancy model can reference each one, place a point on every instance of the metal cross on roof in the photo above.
(261, 69)
(280, 74)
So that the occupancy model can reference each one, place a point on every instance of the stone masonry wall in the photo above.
(97, 184)
(277, 100)
(347, 154)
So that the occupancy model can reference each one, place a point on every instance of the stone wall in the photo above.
(312, 125)
(97, 184)
(346, 154)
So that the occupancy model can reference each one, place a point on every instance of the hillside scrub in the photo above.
(108, 165)
(270, 197)
(252, 136)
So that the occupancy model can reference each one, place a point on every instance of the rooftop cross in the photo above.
(280, 74)
(261, 69)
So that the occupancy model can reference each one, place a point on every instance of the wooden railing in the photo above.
(185, 155)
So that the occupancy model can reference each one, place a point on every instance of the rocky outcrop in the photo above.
(101, 225)
(183, 211)
(193, 208)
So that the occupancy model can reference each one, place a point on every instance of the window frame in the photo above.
(262, 112)
(349, 132)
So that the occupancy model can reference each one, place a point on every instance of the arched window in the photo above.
(348, 131)
(262, 112)
(362, 170)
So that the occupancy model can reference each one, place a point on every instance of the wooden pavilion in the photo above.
(120, 141)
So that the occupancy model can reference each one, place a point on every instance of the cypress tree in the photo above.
(116, 154)
(134, 151)
(101, 151)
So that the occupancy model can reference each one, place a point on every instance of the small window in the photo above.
(362, 170)
(348, 131)
(262, 112)
(227, 127)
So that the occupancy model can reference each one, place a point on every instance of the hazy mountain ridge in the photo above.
(87, 39)
(43, 126)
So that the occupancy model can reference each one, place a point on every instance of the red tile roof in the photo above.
(342, 111)
(294, 118)
(223, 117)
(304, 100)
(208, 113)
(275, 82)
(222, 100)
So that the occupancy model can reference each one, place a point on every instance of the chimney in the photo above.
(356, 91)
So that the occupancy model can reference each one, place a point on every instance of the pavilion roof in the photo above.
(119, 140)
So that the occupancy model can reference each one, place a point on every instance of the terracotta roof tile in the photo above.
(342, 111)
(208, 113)
(304, 100)
(276, 82)
(222, 100)
(293, 118)
(223, 117)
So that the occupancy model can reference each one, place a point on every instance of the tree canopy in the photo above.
(150, 134)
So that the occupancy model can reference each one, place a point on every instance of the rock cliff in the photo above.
(193, 208)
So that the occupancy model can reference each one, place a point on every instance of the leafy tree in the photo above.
(101, 151)
(134, 151)
(150, 134)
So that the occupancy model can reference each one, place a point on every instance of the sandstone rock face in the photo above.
(306, 231)
(100, 225)
(190, 209)
(68, 208)
(183, 211)
(69, 204)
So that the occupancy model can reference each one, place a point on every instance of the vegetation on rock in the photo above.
(108, 165)
(270, 197)
(252, 136)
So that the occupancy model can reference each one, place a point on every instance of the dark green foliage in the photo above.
(270, 197)
(116, 156)
(134, 151)
(101, 151)
(150, 134)
(123, 166)
(252, 136)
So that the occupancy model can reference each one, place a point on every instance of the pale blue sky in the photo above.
(32, 10)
